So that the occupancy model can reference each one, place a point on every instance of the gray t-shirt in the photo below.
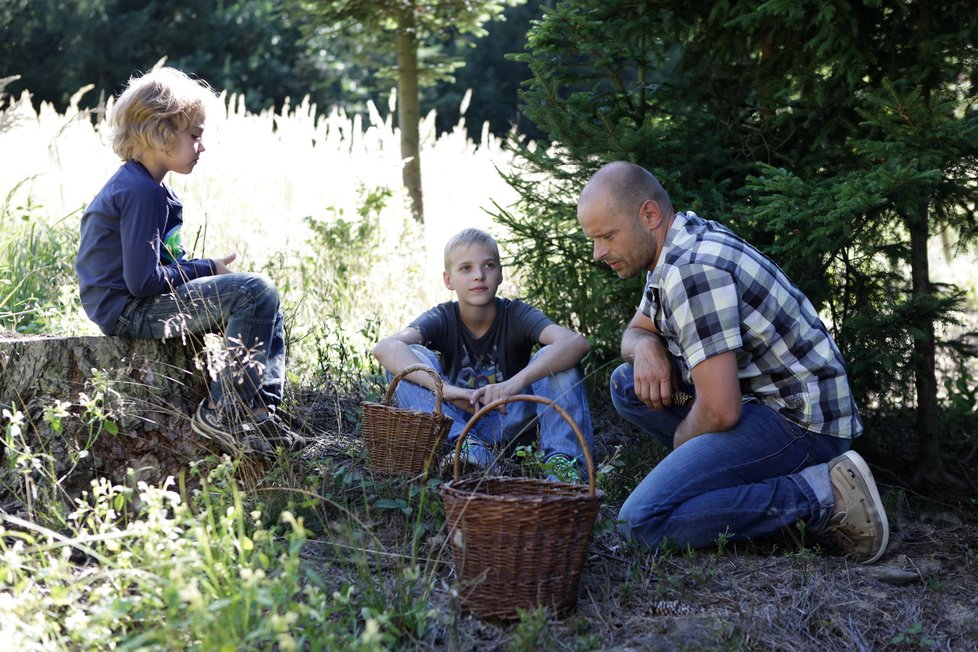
(498, 355)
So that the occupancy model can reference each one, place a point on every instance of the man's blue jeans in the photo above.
(242, 307)
(762, 475)
(565, 388)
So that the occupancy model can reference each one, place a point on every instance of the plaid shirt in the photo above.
(711, 292)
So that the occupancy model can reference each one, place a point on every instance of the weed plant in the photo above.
(199, 563)
(37, 286)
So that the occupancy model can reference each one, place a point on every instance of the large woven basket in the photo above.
(519, 542)
(401, 441)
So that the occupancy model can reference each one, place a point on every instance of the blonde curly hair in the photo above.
(154, 108)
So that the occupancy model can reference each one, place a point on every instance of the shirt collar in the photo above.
(674, 234)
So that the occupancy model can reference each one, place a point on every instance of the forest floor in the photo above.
(788, 592)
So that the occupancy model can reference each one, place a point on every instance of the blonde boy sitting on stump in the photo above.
(135, 279)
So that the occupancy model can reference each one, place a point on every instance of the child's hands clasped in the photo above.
(495, 391)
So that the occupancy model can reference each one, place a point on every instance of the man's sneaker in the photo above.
(563, 469)
(861, 527)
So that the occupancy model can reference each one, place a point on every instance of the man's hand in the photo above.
(221, 264)
(653, 375)
(642, 346)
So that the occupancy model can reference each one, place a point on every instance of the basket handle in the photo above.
(406, 371)
(532, 399)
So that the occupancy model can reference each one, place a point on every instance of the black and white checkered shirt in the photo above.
(711, 292)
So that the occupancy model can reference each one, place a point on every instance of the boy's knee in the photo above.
(622, 384)
(259, 288)
(269, 294)
(568, 378)
(426, 355)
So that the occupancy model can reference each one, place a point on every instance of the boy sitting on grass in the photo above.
(136, 281)
(481, 346)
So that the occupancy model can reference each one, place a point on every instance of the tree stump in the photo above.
(125, 404)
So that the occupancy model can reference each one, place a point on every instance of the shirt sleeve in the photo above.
(433, 327)
(142, 218)
(531, 321)
(702, 306)
(649, 304)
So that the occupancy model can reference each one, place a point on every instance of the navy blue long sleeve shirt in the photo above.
(130, 245)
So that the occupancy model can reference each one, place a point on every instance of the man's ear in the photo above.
(650, 214)
(448, 280)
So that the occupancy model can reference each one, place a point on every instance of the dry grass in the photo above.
(788, 592)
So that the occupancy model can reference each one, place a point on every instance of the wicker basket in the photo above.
(401, 441)
(519, 542)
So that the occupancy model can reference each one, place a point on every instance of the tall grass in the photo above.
(315, 203)
(267, 187)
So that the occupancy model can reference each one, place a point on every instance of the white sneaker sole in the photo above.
(874, 495)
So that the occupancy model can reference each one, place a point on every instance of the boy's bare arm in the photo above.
(565, 348)
(395, 354)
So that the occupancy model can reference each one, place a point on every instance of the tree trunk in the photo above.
(928, 431)
(409, 110)
(127, 405)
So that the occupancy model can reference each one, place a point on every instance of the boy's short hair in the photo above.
(467, 237)
(154, 108)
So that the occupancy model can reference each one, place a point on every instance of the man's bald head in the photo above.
(625, 212)
(626, 187)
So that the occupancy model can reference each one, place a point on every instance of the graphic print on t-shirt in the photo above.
(172, 251)
(478, 373)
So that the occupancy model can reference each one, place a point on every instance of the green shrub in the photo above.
(38, 289)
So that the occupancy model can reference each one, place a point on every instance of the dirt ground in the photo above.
(790, 592)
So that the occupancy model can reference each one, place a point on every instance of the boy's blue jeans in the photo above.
(244, 308)
(565, 388)
(762, 475)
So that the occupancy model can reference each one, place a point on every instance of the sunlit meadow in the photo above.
(264, 184)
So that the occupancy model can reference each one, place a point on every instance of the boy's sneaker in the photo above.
(474, 456)
(563, 469)
(277, 434)
(862, 527)
(244, 437)
(207, 423)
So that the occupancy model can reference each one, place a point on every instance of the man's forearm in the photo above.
(634, 339)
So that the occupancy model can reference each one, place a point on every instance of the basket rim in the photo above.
(407, 371)
(397, 409)
(574, 491)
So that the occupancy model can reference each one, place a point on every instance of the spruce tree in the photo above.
(837, 136)
(409, 25)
